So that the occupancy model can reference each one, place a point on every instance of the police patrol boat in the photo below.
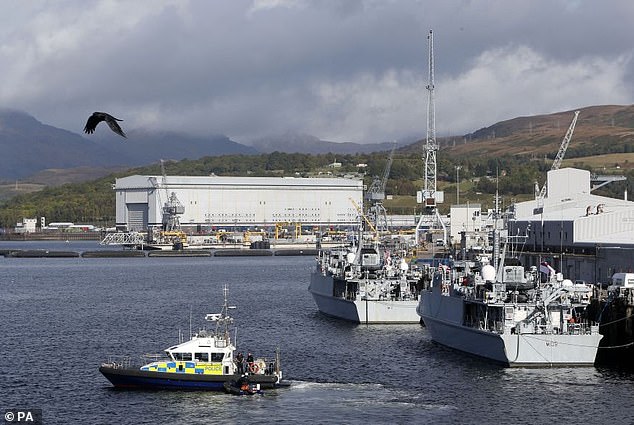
(205, 362)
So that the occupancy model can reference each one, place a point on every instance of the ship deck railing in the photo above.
(119, 362)
(581, 329)
(500, 328)
(569, 329)
(270, 367)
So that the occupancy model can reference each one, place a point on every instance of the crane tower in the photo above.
(172, 208)
(429, 189)
(560, 155)
(376, 194)
(429, 196)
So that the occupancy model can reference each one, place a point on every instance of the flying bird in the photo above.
(97, 117)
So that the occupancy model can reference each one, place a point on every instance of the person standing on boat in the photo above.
(240, 363)
(250, 362)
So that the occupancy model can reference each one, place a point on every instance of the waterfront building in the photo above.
(581, 234)
(221, 202)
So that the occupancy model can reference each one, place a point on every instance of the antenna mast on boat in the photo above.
(223, 317)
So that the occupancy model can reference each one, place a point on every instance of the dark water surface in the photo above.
(62, 317)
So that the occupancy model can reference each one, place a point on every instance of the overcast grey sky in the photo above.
(348, 70)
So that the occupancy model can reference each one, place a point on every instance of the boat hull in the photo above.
(442, 316)
(140, 379)
(360, 310)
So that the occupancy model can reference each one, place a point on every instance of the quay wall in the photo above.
(52, 236)
(109, 253)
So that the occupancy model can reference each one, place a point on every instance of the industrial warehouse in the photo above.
(581, 234)
(203, 202)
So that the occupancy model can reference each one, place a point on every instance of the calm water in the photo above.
(62, 317)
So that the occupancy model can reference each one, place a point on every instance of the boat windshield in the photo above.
(201, 357)
(182, 356)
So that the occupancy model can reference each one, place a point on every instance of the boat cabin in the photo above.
(202, 354)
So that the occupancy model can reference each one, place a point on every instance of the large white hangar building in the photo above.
(237, 201)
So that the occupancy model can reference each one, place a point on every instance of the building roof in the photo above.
(146, 181)
(568, 198)
(597, 219)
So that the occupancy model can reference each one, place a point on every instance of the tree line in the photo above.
(93, 202)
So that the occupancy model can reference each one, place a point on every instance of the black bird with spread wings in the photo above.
(97, 117)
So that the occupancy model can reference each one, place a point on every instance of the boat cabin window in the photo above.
(203, 357)
(182, 356)
(217, 357)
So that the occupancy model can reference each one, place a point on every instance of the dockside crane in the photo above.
(376, 194)
(560, 155)
(172, 208)
(431, 147)
(428, 195)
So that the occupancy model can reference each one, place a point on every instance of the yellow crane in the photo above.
(360, 211)
(281, 224)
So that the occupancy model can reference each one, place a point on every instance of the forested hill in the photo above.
(599, 130)
(518, 151)
(94, 202)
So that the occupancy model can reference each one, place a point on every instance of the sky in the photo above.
(343, 71)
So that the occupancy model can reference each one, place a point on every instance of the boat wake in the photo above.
(371, 399)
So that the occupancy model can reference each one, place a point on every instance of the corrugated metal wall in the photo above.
(266, 202)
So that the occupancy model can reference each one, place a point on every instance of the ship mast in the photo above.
(222, 318)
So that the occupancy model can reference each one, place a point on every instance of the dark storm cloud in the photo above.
(339, 70)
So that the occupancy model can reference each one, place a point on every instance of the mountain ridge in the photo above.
(599, 129)
(31, 147)
(290, 142)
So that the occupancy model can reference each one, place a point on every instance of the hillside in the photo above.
(30, 146)
(304, 143)
(599, 130)
(603, 143)
(54, 177)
